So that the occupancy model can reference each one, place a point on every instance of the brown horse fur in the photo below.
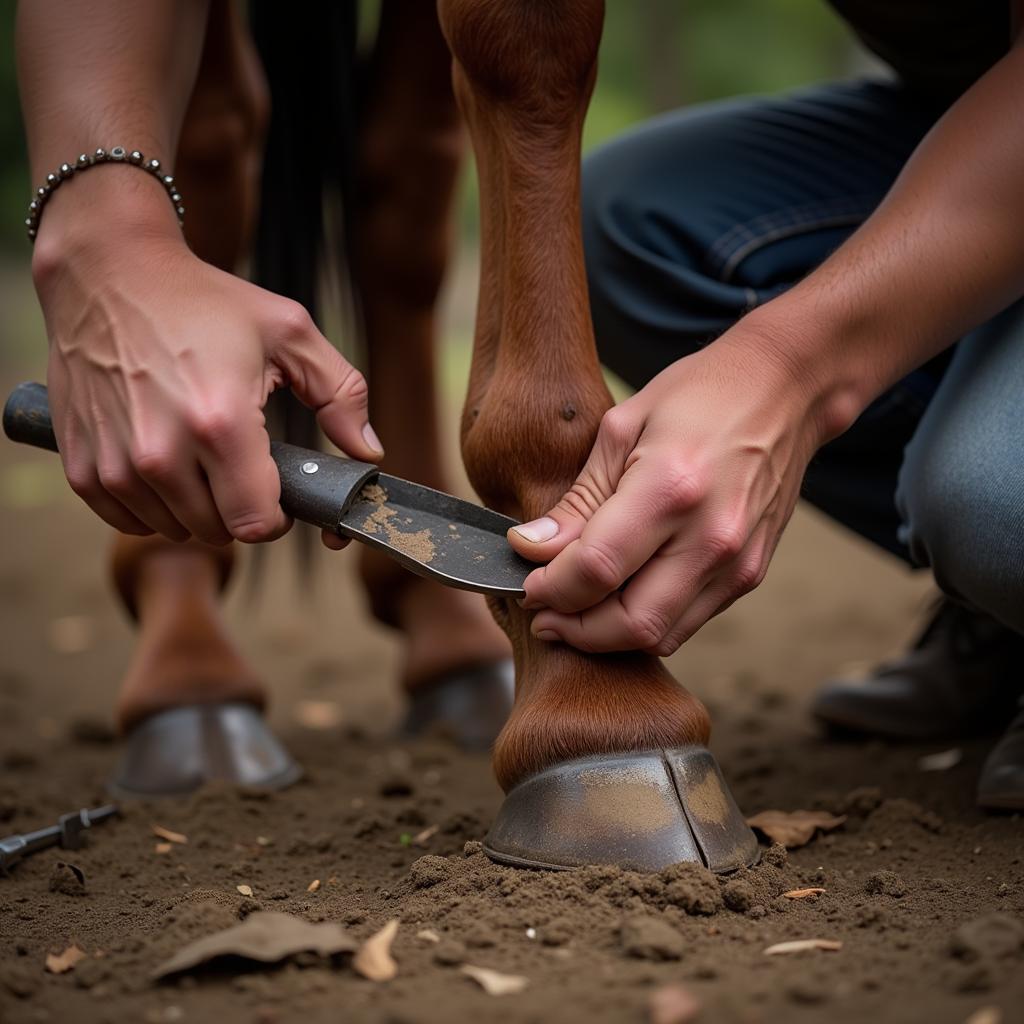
(523, 73)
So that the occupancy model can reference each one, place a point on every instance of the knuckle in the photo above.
(253, 528)
(353, 387)
(746, 578)
(152, 463)
(213, 426)
(683, 489)
(115, 479)
(82, 480)
(598, 567)
(617, 427)
(725, 542)
(293, 321)
(646, 629)
(667, 646)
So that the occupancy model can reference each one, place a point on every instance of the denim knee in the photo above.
(961, 487)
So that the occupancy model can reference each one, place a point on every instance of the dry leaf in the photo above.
(672, 1004)
(59, 963)
(942, 761)
(313, 886)
(494, 983)
(162, 848)
(802, 894)
(245, 890)
(374, 959)
(265, 936)
(428, 935)
(172, 837)
(802, 945)
(318, 714)
(794, 828)
(263, 841)
(421, 838)
(986, 1015)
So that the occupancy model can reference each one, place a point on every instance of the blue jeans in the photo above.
(698, 216)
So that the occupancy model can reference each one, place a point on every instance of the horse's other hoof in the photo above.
(468, 706)
(642, 810)
(177, 751)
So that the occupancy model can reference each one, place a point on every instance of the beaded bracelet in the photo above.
(117, 155)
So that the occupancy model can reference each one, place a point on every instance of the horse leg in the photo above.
(183, 654)
(523, 73)
(410, 150)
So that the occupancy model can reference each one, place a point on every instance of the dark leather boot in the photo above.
(1001, 785)
(961, 678)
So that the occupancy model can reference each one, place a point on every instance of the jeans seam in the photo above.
(735, 245)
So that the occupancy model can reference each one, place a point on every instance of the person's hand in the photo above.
(679, 508)
(159, 369)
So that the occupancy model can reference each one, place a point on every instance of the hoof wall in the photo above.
(642, 811)
(177, 751)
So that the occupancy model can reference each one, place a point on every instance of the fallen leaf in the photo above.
(266, 936)
(802, 945)
(61, 962)
(802, 894)
(942, 761)
(374, 959)
(672, 1004)
(794, 828)
(245, 890)
(494, 983)
(263, 841)
(162, 848)
(986, 1015)
(421, 838)
(318, 714)
(172, 837)
(313, 886)
(428, 935)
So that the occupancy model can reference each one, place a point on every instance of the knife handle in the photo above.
(316, 488)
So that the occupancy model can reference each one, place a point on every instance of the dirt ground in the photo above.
(924, 892)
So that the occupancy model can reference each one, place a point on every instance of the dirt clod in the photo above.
(993, 936)
(650, 938)
(885, 883)
(67, 879)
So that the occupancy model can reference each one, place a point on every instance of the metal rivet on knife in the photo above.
(310, 467)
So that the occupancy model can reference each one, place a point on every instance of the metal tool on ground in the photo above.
(431, 533)
(68, 834)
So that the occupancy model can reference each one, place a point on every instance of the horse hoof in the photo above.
(469, 706)
(177, 751)
(642, 811)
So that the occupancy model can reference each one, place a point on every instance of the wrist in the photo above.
(104, 210)
(809, 357)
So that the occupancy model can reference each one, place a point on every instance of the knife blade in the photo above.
(430, 533)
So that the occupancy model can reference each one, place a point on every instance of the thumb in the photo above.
(541, 539)
(336, 391)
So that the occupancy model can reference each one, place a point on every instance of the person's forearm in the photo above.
(99, 75)
(941, 254)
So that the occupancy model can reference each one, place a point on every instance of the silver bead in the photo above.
(99, 156)
(66, 170)
(83, 159)
(175, 197)
(181, 211)
(153, 165)
(135, 156)
(31, 234)
(29, 222)
(43, 191)
(118, 153)
(52, 179)
(168, 180)
(34, 205)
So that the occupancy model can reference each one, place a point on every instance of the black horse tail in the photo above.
(309, 55)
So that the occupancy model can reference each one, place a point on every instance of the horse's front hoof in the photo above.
(642, 810)
(176, 751)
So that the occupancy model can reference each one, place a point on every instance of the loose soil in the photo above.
(924, 892)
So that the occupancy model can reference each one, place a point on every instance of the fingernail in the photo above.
(371, 438)
(548, 635)
(539, 530)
